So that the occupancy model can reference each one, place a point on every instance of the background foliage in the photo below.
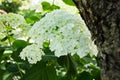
(51, 67)
(10, 5)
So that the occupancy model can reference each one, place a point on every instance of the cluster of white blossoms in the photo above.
(32, 52)
(66, 33)
(12, 21)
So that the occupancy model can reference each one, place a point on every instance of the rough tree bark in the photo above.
(103, 20)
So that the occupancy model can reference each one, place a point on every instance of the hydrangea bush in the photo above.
(59, 43)
(65, 33)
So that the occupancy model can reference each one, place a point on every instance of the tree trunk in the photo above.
(102, 18)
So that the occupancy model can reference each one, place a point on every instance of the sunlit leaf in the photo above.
(48, 7)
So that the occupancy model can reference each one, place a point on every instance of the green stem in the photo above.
(53, 2)
(19, 69)
(9, 41)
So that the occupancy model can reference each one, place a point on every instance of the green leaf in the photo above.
(41, 71)
(90, 59)
(69, 2)
(6, 56)
(12, 67)
(1, 74)
(15, 55)
(48, 7)
(45, 5)
(49, 58)
(9, 76)
(84, 76)
(71, 66)
(4, 39)
(69, 63)
(24, 65)
(54, 7)
(62, 61)
(1, 51)
(28, 13)
(30, 21)
(79, 61)
(31, 16)
(47, 50)
(95, 72)
(18, 45)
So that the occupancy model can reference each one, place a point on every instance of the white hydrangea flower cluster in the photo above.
(32, 52)
(67, 33)
(15, 21)
(12, 19)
